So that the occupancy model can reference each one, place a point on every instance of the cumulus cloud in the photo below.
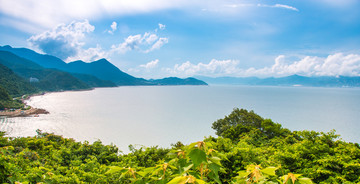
(145, 67)
(213, 68)
(89, 55)
(333, 65)
(63, 41)
(150, 38)
(113, 28)
(158, 44)
(161, 26)
(143, 43)
(151, 64)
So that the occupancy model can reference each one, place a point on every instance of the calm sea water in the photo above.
(161, 115)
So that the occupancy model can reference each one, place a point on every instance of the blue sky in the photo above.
(161, 38)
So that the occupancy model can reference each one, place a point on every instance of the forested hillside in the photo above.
(44, 79)
(15, 85)
(11, 86)
(249, 149)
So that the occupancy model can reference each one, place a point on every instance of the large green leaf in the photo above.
(305, 181)
(188, 167)
(197, 156)
(178, 180)
(114, 169)
(214, 167)
(215, 160)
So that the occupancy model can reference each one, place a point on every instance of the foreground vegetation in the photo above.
(249, 149)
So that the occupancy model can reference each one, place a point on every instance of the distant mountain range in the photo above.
(100, 73)
(293, 80)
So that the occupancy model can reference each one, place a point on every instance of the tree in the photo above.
(237, 117)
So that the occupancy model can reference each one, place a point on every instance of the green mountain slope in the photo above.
(43, 60)
(52, 62)
(93, 81)
(11, 86)
(45, 79)
(104, 70)
(15, 86)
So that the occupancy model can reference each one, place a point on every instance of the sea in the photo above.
(163, 115)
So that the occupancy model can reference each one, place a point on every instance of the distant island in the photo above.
(293, 80)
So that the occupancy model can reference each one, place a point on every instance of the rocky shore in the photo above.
(23, 113)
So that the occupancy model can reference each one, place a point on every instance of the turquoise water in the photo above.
(161, 115)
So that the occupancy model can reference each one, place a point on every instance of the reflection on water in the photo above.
(164, 115)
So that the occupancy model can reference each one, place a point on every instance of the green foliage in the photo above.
(237, 117)
(7, 102)
(241, 122)
(265, 153)
(15, 86)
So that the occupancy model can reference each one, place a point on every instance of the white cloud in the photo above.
(286, 7)
(158, 44)
(151, 38)
(333, 65)
(145, 68)
(161, 26)
(89, 55)
(63, 41)
(213, 68)
(132, 42)
(47, 14)
(113, 28)
(143, 43)
(151, 64)
(261, 5)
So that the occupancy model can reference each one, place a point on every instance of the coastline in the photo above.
(34, 112)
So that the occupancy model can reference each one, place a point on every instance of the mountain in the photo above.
(41, 78)
(293, 80)
(113, 75)
(104, 70)
(13, 84)
(48, 61)
(100, 73)
(93, 81)
(178, 81)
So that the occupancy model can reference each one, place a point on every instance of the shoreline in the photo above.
(32, 112)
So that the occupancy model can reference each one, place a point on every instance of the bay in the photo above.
(161, 115)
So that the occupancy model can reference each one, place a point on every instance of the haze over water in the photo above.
(163, 115)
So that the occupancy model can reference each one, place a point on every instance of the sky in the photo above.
(184, 38)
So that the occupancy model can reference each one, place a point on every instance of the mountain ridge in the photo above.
(44, 78)
(95, 68)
